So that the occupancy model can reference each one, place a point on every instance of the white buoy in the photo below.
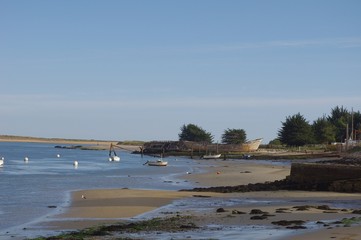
(26, 159)
(58, 155)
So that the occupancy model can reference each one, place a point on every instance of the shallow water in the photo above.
(27, 189)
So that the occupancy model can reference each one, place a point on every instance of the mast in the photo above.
(352, 136)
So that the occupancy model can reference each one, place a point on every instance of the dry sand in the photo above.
(109, 206)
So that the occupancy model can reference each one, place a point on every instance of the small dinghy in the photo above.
(113, 155)
(159, 163)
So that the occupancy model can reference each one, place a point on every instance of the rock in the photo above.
(262, 217)
(302, 208)
(356, 211)
(288, 223)
(323, 207)
(219, 210)
(237, 212)
(257, 211)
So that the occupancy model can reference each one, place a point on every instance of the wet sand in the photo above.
(104, 206)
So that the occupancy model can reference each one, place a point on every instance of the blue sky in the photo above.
(139, 70)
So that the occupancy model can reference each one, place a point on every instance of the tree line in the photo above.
(192, 132)
(295, 130)
(336, 127)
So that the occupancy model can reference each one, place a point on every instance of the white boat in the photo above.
(211, 156)
(159, 163)
(1, 161)
(114, 159)
(113, 155)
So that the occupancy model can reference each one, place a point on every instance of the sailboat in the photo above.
(113, 155)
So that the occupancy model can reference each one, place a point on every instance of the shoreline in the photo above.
(114, 206)
(92, 144)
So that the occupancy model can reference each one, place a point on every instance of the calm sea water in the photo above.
(27, 189)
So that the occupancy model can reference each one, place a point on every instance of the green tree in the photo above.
(295, 131)
(275, 142)
(339, 119)
(192, 132)
(234, 136)
(323, 131)
(357, 124)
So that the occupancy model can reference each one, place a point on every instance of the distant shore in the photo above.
(91, 144)
(11, 138)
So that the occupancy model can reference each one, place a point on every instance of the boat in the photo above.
(113, 157)
(251, 145)
(1, 161)
(159, 163)
(211, 156)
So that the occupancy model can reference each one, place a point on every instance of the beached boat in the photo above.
(113, 155)
(211, 156)
(252, 145)
(159, 163)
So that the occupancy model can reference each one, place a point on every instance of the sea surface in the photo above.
(30, 190)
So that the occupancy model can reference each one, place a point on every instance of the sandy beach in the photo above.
(107, 206)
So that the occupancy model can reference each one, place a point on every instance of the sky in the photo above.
(140, 70)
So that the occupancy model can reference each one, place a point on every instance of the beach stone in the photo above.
(324, 207)
(288, 223)
(257, 211)
(356, 211)
(237, 212)
(219, 210)
(262, 217)
(302, 208)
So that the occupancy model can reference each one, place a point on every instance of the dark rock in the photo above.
(257, 211)
(219, 210)
(302, 208)
(323, 207)
(288, 223)
(237, 212)
(262, 217)
(356, 211)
